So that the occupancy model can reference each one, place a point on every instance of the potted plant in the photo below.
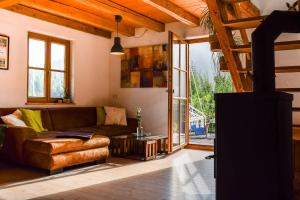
(219, 61)
(207, 25)
(67, 96)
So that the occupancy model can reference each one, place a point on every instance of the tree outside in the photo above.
(202, 91)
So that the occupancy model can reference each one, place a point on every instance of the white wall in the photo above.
(154, 101)
(90, 61)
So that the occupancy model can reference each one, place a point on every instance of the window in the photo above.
(48, 68)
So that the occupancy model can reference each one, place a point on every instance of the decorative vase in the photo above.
(139, 132)
(139, 129)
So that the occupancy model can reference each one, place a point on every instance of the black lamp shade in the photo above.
(117, 49)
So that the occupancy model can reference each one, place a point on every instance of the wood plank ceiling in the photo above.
(97, 16)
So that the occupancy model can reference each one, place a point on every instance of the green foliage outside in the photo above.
(202, 92)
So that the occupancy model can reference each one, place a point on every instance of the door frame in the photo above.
(197, 146)
(171, 97)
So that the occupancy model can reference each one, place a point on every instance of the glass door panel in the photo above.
(178, 96)
(176, 126)
(183, 121)
(176, 82)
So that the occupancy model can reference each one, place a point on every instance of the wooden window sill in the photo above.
(41, 103)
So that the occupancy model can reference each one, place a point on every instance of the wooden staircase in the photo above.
(244, 15)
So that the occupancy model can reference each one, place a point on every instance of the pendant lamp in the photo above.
(117, 48)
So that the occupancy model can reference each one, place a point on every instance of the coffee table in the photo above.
(140, 148)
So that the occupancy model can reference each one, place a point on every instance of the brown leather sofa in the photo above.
(44, 150)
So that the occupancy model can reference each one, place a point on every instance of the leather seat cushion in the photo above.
(54, 145)
(58, 161)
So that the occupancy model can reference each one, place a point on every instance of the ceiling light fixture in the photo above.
(117, 48)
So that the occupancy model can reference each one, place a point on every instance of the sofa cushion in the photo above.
(115, 116)
(53, 145)
(14, 119)
(33, 119)
(100, 116)
(44, 112)
(74, 117)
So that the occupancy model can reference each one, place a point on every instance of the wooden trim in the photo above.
(47, 70)
(175, 11)
(170, 93)
(78, 15)
(200, 147)
(46, 103)
(197, 40)
(59, 20)
(187, 132)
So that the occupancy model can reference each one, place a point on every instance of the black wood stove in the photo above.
(253, 147)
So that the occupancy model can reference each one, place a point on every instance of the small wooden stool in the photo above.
(150, 149)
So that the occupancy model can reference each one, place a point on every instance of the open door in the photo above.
(178, 89)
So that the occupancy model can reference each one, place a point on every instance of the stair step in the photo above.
(288, 89)
(279, 46)
(296, 109)
(286, 69)
(245, 23)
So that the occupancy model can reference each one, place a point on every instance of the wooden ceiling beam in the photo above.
(59, 20)
(226, 41)
(78, 15)
(8, 3)
(111, 8)
(175, 11)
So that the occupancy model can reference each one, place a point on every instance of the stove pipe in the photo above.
(263, 47)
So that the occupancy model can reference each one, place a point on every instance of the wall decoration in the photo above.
(4, 52)
(145, 67)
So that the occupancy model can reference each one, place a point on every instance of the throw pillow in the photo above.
(115, 116)
(33, 119)
(14, 119)
(100, 116)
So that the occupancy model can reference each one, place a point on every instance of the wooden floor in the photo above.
(182, 175)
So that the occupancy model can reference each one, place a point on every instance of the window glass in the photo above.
(57, 84)
(58, 56)
(37, 50)
(36, 83)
